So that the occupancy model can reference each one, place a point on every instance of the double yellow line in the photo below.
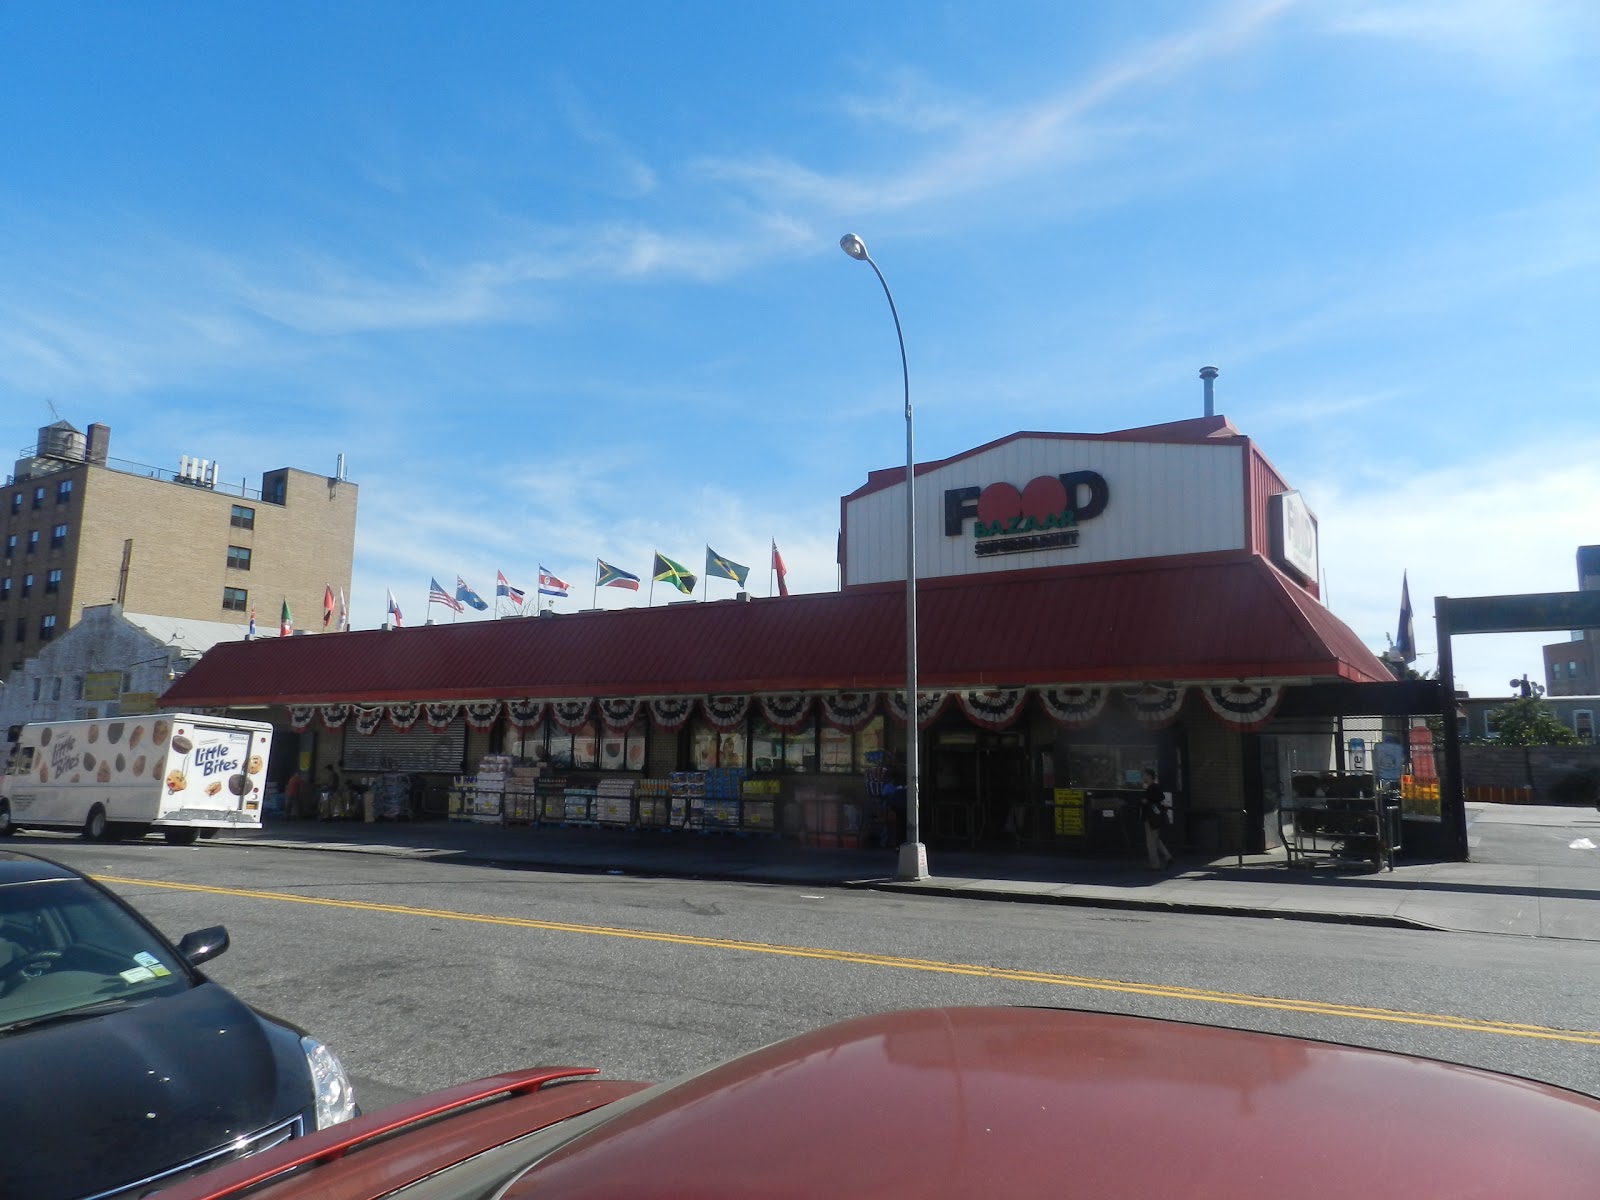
(1358, 1012)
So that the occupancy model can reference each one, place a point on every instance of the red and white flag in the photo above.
(394, 609)
(327, 605)
(779, 569)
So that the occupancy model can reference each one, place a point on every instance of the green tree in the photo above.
(1530, 721)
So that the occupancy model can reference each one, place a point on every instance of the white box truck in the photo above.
(116, 777)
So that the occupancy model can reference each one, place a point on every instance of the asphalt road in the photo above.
(422, 974)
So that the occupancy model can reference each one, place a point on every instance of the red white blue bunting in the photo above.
(848, 711)
(723, 713)
(671, 713)
(439, 716)
(367, 718)
(301, 716)
(994, 709)
(787, 712)
(1241, 705)
(525, 714)
(404, 716)
(570, 714)
(335, 715)
(929, 706)
(618, 714)
(481, 714)
(1073, 707)
(1154, 707)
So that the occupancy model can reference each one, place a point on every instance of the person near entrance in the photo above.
(294, 796)
(1153, 809)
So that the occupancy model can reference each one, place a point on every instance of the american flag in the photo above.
(437, 595)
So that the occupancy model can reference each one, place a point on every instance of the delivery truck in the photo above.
(123, 777)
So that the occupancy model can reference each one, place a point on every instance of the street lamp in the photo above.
(913, 861)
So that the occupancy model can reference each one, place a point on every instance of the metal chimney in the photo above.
(1209, 375)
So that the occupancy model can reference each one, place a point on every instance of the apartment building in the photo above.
(79, 528)
(1572, 667)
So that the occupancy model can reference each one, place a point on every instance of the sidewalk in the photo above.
(1535, 871)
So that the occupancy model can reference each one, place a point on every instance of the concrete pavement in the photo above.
(1535, 871)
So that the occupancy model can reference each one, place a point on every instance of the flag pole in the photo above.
(594, 595)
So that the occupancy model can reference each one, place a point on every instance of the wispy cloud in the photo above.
(1503, 36)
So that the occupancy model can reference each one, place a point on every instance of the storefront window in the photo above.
(1108, 766)
(623, 751)
(843, 752)
(773, 750)
(712, 748)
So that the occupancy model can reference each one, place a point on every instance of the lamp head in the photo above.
(854, 247)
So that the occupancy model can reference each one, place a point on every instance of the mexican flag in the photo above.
(285, 622)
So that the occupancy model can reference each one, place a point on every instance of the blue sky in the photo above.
(564, 281)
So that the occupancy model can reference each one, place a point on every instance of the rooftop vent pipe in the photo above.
(1209, 375)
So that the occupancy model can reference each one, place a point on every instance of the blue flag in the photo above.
(467, 596)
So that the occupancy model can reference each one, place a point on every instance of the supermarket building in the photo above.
(1088, 605)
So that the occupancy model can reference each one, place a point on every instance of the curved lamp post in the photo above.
(913, 861)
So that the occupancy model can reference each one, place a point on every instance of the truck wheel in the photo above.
(94, 825)
(7, 826)
(180, 837)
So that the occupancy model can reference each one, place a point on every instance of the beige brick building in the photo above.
(78, 528)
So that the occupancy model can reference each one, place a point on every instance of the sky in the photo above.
(563, 281)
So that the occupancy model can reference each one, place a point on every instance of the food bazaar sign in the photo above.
(1044, 515)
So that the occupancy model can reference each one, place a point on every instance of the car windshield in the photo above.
(66, 949)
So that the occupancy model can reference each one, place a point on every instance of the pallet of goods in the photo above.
(654, 800)
(613, 802)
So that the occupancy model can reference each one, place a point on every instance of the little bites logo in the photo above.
(1044, 515)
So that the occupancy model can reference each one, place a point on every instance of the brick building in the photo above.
(1570, 667)
(79, 528)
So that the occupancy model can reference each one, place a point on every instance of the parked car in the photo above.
(125, 1069)
(962, 1102)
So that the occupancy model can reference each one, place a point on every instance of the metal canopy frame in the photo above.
(1535, 612)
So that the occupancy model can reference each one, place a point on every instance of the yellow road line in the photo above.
(1089, 983)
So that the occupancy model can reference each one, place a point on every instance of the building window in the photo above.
(38, 686)
(64, 491)
(239, 558)
(5, 588)
(16, 503)
(235, 599)
(243, 518)
(38, 497)
(77, 687)
(55, 688)
(33, 540)
(58, 537)
(11, 546)
(27, 586)
(1583, 724)
(1555, 670)
(52, 581)
(47, 629)
(1572, 668)
(711, 748)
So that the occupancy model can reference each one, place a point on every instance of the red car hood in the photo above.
(1036, 1102)
(1001, 1102)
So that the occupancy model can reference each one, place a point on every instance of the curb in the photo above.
(947, 891)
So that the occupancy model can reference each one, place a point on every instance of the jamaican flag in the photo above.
(718, 567)
(676, 574)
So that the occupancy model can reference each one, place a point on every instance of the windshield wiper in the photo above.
(67, 1014)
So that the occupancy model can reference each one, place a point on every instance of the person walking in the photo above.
(294, 794)
(1153, 810)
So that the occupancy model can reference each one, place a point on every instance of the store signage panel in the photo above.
(1043, 515)
(1294, 534)
(102, 685)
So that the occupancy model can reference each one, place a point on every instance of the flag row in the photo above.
(663, 570)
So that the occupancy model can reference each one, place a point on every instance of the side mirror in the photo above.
(203, 944)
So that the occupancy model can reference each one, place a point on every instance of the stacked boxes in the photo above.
(613, 803)
(578, 805)
(521, 806)
(653, 797)
(760, 804)
(550, 794)
(490, 787)
(688, 793)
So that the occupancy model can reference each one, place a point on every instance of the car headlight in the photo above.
(336, 1099)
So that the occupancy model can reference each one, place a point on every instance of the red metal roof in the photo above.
(1202, 617)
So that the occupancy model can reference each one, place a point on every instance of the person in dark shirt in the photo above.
(1153, 810)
